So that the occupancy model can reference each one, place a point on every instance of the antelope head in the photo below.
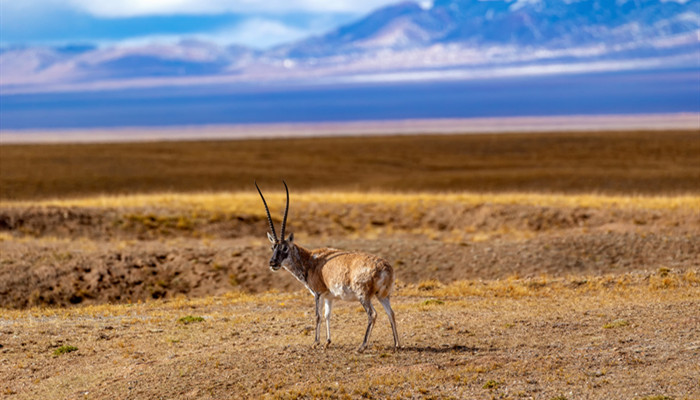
(281, 247)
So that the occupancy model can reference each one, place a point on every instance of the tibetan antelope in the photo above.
(332, 274)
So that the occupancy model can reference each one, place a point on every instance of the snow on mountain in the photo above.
(523, 23)
(439, 38)
(468, 34)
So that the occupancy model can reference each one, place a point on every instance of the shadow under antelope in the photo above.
(332, 274)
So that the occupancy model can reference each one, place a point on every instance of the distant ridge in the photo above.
(682, 121)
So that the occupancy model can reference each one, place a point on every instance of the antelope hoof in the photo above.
(361, 349)
(327, 345)
(315, 345)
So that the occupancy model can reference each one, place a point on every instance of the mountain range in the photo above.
(449, 39)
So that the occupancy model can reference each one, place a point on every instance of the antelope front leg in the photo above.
(329, 304)
(317, 300)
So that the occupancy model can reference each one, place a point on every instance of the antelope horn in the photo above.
(269, 218)
(286, 210)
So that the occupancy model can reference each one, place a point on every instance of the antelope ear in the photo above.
(290, 239)
(271, 238)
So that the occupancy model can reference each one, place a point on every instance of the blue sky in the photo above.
(258, 24)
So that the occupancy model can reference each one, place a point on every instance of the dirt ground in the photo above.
(68, 255)
(626, 336)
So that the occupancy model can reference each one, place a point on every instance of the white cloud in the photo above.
(131, 8)
(426, 4)
(522, 3)
(265, 24)
(260, 33)
(256, 33)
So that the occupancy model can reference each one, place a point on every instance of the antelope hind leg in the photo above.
(371, 317)
(392, 319)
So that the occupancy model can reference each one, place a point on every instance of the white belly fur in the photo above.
(342, 292)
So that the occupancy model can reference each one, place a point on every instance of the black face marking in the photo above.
(280, 251)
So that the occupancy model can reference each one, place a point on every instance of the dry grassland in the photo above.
(544, 296)
(627, 336)
(552, 266)
(651, 163)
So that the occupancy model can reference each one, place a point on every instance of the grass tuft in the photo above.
(190, 319)
(491, 384)
(616, 324)
(65, 349)
(429, 285)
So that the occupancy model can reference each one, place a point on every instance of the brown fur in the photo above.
(331, 274)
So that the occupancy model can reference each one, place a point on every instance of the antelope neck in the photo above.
(298, 263)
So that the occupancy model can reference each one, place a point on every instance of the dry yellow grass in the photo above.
(639, 286)
(249, 202)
